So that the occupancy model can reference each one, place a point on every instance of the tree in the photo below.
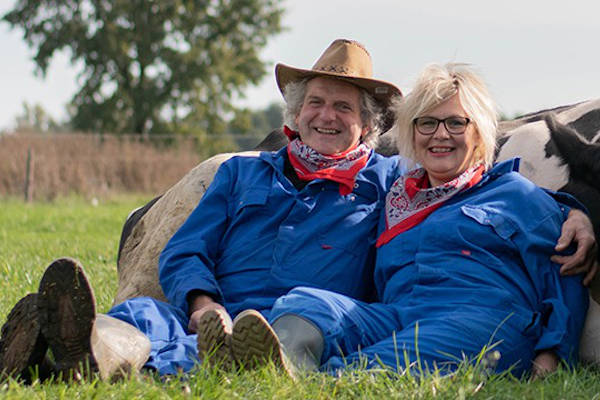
(257, 122)
(35, 119)
(151, 65)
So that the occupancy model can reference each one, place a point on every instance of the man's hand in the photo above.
(198, 306)
(578, 228)
(544, 363)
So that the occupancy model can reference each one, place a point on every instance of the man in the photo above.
(305, 215)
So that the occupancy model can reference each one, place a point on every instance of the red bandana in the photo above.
(310, 164)
(410, 199)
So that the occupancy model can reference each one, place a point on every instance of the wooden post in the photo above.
(29, 176)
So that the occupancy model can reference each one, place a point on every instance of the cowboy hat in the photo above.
(343, 59)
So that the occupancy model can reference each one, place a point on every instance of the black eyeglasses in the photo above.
(429, 125)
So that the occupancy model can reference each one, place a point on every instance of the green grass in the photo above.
(32, 235)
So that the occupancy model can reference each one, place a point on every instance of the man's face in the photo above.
(329, 120)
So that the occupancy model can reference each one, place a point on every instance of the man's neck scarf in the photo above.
(411, 200)
(342, 168)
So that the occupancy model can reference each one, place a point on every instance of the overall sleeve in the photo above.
(566, 200)
(564, 298)
(188, 260)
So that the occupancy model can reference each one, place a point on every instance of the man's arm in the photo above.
(187, 263)
(578, 229)
(200, 302)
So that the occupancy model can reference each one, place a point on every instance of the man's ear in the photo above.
(365, 130)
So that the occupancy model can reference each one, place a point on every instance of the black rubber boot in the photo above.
(66, 315)
(82, 341)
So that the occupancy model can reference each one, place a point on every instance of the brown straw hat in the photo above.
(343, 59)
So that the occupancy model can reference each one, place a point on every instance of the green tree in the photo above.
(35, 119)
(152, 65)
(257, 122)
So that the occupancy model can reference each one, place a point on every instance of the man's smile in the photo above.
(327, 131)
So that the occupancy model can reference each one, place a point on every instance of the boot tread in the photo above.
(67, 312)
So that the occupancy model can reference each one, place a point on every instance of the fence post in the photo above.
(29, 176)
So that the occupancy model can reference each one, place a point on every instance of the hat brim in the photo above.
(382, 91)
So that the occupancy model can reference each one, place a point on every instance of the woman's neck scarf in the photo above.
(341, 167)
(411, 200)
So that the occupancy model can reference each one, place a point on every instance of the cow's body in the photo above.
(560, 150)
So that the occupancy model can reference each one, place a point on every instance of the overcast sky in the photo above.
(534, 54)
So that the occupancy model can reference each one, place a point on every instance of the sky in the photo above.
(534, 54)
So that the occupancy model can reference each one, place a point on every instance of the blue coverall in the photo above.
(252, 238)
(474, 273)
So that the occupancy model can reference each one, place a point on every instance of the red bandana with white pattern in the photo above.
(309, 164)
(410, 199)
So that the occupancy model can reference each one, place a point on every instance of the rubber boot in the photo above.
(293, 343)
(81, 341)
(302, 341)
(23, 348)
(118, 348)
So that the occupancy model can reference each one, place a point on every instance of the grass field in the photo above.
(32, 235)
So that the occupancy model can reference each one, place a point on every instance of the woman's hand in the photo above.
(578, 228)
(544, 363)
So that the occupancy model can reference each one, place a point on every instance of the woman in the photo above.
(463, 258)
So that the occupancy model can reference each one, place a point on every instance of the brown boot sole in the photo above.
(254, 343)
(67, 310)
(22, 345)
(214, 339)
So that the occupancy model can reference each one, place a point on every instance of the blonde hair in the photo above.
(435, 85)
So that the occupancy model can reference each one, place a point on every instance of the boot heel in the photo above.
(66, 314)
(22, 345)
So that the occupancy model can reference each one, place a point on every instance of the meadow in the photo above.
(34, 234)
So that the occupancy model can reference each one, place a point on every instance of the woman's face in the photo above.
(445, 155)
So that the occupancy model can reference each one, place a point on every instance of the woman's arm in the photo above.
(544, 363)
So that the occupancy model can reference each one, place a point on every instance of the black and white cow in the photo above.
(559, 150)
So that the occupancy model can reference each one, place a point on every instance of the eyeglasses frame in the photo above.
(438, 121)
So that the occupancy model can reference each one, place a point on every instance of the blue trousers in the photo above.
(173, 349)
(372, 335)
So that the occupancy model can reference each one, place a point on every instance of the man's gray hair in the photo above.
(371, 113)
